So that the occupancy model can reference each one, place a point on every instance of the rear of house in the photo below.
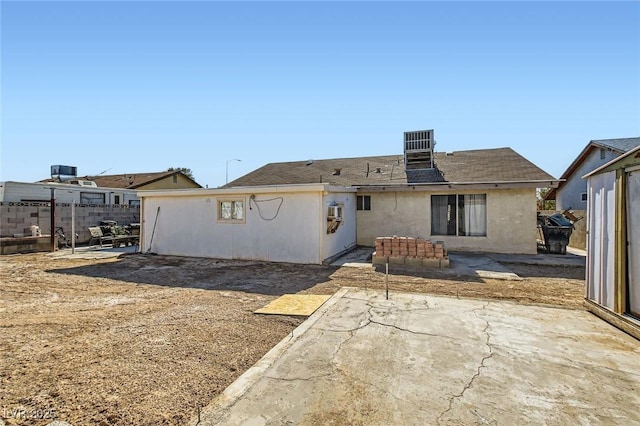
(477, 220)
(478, 200)
(290, 223)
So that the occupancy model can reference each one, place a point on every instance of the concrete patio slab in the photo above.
(479, 265)
(418, 359)
(360, 257)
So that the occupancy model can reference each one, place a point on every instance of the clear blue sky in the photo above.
(142, 86)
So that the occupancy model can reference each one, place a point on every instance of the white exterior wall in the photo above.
(345, 237)
(601, 238)
(511, 220)
(291, 231)
(568, 196)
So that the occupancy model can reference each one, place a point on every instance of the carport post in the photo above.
(73, 226)
(53, 220)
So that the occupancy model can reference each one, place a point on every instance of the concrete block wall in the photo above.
(24, 245)
(17, 218)
(410, 251)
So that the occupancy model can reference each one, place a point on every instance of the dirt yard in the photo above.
(147, 339)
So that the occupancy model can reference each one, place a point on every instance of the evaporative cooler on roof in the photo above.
(418, 149)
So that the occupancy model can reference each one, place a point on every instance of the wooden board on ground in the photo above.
(294, 304)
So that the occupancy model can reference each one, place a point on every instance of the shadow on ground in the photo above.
(267, 278)
(548, 271)
(428, 273)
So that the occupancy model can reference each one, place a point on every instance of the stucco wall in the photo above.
(283, 227)
(345, 236)
(511, 220)
(394, 213)
(568, 196)
(168, 183)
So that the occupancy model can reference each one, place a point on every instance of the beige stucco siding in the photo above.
(393, 213)
(511, 220)
(168, 183)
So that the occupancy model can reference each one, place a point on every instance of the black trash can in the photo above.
(556, 238)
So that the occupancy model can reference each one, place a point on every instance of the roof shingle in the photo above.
(622, 144)
(129, 180)
(475, 166)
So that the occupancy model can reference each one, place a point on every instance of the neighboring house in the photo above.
(479, 200)
(613, 229)
(39, 192)
(572, 190)
(288, 223)
(23, 204)
(174, 179)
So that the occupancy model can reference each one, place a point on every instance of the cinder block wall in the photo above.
(17, 218)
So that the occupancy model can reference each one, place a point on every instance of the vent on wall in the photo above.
(418, 149)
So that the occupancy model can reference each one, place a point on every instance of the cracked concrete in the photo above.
(418, 359)
(475, 376)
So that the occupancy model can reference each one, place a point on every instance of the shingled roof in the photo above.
(620, 146)
(129, 180)
(475, 166)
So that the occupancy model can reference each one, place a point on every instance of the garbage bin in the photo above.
(556, 238)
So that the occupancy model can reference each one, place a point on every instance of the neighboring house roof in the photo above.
(476, 166)
(130, 180)
(633, 157)
(620, 145)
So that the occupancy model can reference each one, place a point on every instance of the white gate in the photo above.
(633, 238)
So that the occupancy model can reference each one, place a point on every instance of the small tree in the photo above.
(184, 170)
(542, 203)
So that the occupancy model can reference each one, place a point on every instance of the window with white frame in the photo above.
(461, 215)
(231, 210)
(583, 196)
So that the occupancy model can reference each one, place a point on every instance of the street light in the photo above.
(227, 169)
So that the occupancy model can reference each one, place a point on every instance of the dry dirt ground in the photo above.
(147, 339)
